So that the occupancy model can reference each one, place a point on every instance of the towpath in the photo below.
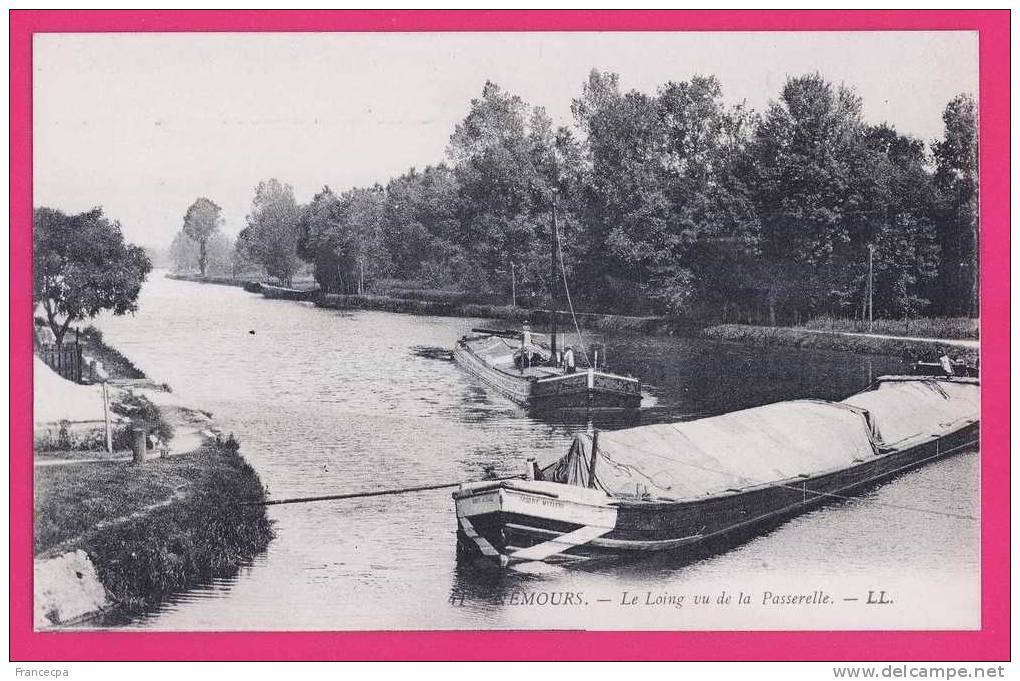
(192, 428)
(956, 342)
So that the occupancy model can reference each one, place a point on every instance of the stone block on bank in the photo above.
(67, 589)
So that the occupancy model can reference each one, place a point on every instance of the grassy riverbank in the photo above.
(241, 282)
(209, 279)
(768, 336)
(155, 528)
(957, 328)
(537, 316)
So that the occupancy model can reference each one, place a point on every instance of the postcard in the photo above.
(574, 323)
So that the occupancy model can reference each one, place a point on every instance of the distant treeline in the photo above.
(673, 203)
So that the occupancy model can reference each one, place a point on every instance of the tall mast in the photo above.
(553, 282)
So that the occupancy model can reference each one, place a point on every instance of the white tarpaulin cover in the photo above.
(502, 352)
(905, 409)
(710, 455)
(765, 444)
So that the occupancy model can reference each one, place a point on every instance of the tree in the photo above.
(507, 160)
(201, 222)
(490, 155)
(422, 223)
(273, 229)
(956, 178)
(625, 203)
(896, 184)
(220, 254)
(184, 253)
(82, 266)
(343, 237)
(368, 259)
(322, 241)
(669, 214)
(712, 227)
(803, 167)
(241, 262)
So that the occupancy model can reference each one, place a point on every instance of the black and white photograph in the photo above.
(506, 331)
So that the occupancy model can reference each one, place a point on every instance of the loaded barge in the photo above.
(671, 486)
(498, 361)
(530, 373)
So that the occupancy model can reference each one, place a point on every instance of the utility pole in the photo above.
(513, 284)
(106, 419)
(871, 288)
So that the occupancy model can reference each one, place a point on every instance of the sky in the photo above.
(143, 124)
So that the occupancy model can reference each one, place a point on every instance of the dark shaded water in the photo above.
(326, 402)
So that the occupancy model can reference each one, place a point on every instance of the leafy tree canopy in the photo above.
(271, 234)
(673, 201)
(82, 266)
(202, 220)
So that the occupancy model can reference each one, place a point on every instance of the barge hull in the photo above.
(511, 532)
(579, 390)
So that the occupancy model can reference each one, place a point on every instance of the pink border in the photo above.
(991, 642)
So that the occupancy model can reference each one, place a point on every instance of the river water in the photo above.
(325, 401)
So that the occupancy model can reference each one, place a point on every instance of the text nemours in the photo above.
(651, 598)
